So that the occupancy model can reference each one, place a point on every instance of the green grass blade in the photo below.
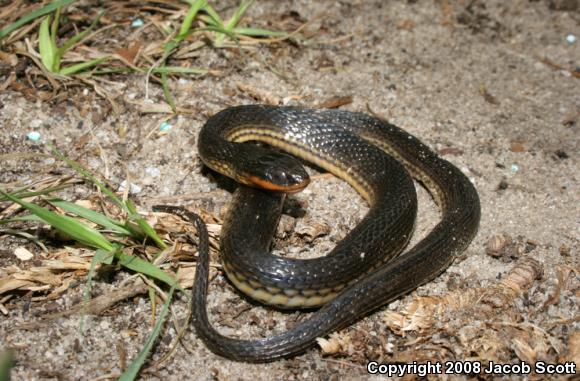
(213, 18)
(132, 371)
(6, 363)
(144, 225)
(101, 256)
(169, 47)
(33, 15)
(188, 20)
(135, 230)
(86, 174)
(258, 32)
(47, 47)
(79, 36)
(28, 217)
(208, 20)
(153, 299)
(238, 14)
(75, 229)
(219, 29)
(77, 68)
(91, 215)
(104, 257)
(23, 193)
(167, 92)
(54, 25)
(141, 266)
(232, 22)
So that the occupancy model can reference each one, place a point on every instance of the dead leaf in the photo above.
(130, 53)
(335, 102)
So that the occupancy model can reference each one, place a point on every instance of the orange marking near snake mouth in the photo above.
(264, 184)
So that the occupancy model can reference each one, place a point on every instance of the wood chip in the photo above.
(336, 343)
(14, 284)
(335, 102)
(23, 254)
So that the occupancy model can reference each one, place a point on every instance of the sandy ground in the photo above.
(490, 85)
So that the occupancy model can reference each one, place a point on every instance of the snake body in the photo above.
(357, 277)
(287, 282)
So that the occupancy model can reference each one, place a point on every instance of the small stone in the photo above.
(503, 185)
(133, 188)
(561, 154)
(164, 127)
(33, 136)
(23, 254)
(153, 171)
(137, 23)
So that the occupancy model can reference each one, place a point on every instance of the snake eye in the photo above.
(279, 172)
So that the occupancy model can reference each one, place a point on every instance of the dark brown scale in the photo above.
(451, 189)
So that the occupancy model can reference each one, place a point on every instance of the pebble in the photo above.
(34, 136)
(133, 188)
(153, 171)
(165, 126)
(137, 23)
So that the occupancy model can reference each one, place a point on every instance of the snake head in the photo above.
(277, 172)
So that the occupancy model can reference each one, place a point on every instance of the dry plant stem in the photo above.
(95, 307)
(179, 198)
(49, 77)
(101, 91)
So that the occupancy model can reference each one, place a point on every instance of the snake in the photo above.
(365, 270)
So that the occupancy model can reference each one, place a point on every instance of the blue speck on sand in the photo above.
(137, 23)
(34, 136)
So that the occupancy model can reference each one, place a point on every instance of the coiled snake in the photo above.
(360, 274)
